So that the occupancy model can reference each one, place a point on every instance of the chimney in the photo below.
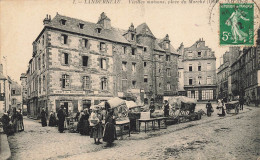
(47, 20)
(104, 21)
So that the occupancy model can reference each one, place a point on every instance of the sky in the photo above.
(21, 21)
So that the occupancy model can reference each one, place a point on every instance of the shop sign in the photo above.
(68, 92)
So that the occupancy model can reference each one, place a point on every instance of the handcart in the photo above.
(183, 109)
(232, 106)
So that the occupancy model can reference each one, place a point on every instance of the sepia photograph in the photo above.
(129, 79)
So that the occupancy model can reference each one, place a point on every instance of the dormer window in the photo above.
(199, 54)
(98, 30)
(81, 25)
(167, 46)
(132, 36)
(63, 21)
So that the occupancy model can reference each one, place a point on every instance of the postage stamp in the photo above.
(236, 24)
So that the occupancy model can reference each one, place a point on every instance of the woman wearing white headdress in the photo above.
(95, 121)
(220, 107)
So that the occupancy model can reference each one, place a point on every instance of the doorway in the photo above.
(66, 107)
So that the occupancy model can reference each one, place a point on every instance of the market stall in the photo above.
(121, 114)
(134, 114)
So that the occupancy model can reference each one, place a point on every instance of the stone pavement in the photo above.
(5, 152)
(38, 142)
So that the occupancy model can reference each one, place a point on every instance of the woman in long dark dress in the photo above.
(109, 131)
(14, 119)
(8, 130)
(84, 124)
(20, 126)
(52, 120)
(61, 116)
(43, 118)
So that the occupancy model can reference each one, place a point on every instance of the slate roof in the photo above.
(144, 29)
(194, 46)
(89, 28)
(113, 34)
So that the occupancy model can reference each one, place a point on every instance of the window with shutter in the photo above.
(85, 43)
(199, 68)
(103, 83)
(124, 49)
(86, 82)
(133, 67)
(168, 86)
(64, 39)
(102, 46)
(124, 66)
(190, 67)
(103, 64)
(65, 81)
(65, 58)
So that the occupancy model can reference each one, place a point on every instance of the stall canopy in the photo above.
(115, 102)
(131, 104)
(178, 99)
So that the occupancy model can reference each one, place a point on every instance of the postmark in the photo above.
(236, 24)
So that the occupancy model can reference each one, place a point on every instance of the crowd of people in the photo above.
(93, 122)
(12, 122)
(89, 123)
(221, 107)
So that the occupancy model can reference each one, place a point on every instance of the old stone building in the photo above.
(181, 90)
(23, 79)
(199, 65)
(224, 77)
(77, 64)
(16, 95)
(5, 94)
(245, 74)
